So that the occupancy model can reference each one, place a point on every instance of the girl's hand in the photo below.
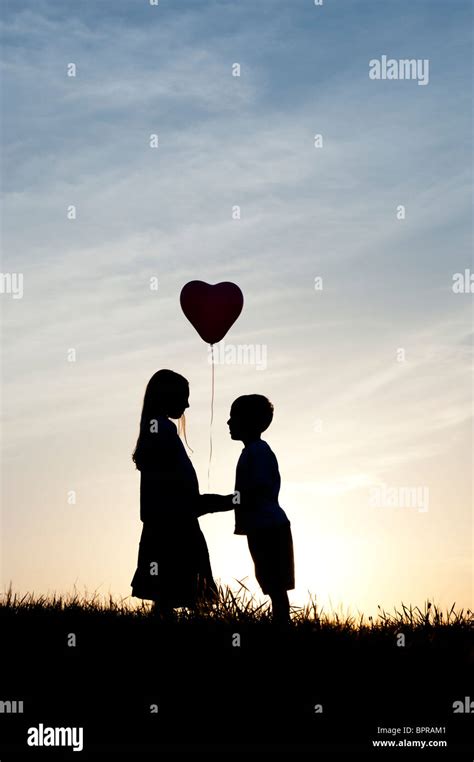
(214, 504)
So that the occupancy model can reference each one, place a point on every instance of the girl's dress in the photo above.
(173, 560)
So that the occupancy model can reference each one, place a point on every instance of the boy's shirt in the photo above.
(257, 479)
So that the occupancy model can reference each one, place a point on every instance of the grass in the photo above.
(125, 659)
(242, 607)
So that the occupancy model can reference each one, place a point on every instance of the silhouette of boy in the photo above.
(258, 513)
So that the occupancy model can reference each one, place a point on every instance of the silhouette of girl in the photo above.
(173, 560)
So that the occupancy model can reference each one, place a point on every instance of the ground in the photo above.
(226, 678)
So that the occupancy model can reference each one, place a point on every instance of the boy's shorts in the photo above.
(272, 553)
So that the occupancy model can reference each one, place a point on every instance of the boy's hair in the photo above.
(256, 408)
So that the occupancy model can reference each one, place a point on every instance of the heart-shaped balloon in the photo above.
(211, 309)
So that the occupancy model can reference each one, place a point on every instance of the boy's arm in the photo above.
(215, 503)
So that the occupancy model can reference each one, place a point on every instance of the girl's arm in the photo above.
(215, 503)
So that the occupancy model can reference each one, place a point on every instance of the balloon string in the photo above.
(212, 418)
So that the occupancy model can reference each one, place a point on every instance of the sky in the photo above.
(369, 369)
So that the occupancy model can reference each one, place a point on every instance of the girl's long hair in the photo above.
(162, 389)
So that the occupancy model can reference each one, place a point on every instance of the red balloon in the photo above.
(211, 309)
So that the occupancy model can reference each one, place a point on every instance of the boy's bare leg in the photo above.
(280, 607)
